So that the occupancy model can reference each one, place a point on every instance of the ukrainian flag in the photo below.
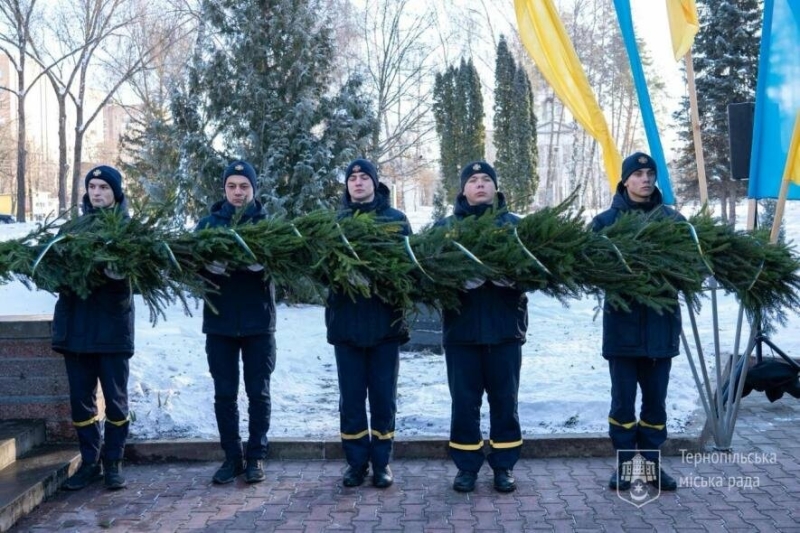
(777, 103)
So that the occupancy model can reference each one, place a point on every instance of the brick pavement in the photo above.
(555, 494)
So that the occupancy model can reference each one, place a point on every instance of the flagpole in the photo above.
(752, 204)
(776, 223)
(698, 142)
(790, 172)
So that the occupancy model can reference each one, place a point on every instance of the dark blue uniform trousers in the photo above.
(258, 362)
(471, 370)
(367, 372)
(652, 375)
(83, 373)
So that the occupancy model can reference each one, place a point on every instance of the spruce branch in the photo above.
(650, 260)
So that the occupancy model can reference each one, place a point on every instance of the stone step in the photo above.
(26, 368)
(33, 478)
(21, 387)
(18, 437)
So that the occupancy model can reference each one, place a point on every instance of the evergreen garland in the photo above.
(638, 259)
(764, 276)
(16, 257)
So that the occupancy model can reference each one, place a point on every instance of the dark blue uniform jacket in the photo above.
(103, 322)
(245, 301)
(642, 332)
(366, 322)
(488, 314)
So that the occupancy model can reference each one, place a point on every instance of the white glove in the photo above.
(112, 273)
(503, 282)
(216, 267)
(474, 283)
(255, 267)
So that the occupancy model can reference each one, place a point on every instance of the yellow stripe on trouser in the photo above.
(466, 447)
(354, 436)
(505, 445)
(85, 422)
(120, 422)
(628, 425)
(383, 436)
(644, 424)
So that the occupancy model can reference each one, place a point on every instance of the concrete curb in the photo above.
(693, 439)
(587, 445)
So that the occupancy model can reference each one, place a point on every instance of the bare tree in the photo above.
(399, 72)
(170, 40)
(167, 40)
(8, 147)
(74, 33)
(17, 18)
(100, 32)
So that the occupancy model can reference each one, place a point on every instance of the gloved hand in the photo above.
(358, 279)
(217, 267)
(255, 267)
(474, 283)
(112, 273)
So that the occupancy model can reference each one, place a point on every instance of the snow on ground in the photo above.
(564, 387)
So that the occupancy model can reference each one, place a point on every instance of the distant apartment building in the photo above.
(100, 139)
(116, 121)
(554, 139)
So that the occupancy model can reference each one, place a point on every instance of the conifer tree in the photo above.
(726, 67)
(474, 131)
(260, 86)
(458, 111)
(149, 156)
(444, 110)
(505, 70)
(514, 130)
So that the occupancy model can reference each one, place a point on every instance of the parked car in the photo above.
(7, 219)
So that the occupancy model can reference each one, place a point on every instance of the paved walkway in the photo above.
(565, 494)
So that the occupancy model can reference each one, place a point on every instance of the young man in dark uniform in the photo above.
(366, 334)
(483, 350)
(639, 344)
(95, 335)
(243, 323)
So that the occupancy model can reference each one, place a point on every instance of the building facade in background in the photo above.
(100, 142)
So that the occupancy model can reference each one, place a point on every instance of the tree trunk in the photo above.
(22, 153)
(63, 165)
(77, 153)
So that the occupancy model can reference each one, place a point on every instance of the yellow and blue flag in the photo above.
(773, 153)
(792, 168)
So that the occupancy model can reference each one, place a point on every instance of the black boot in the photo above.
(664, 481)
(354, 475)
(228, 471)
(465, 481)
(617, 482)
(504, 480)
(382, 477)
(254, 471)
(87, 473)
(113, 475)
